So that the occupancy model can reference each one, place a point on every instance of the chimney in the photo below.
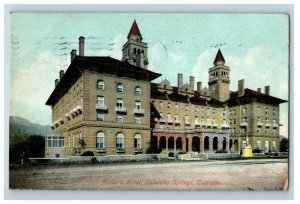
(199, 84)
(259, 90)
(180, 80)
(56, 82)
(73, 54)
(267, 90)
(241, 87)
(81, 46)
(192, 83)
(61, 73)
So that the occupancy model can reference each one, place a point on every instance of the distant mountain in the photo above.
(21, 124)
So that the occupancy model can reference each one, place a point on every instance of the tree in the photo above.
(284, 145)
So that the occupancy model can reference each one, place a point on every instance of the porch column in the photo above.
(202, 143)
(175, 140)
(227, 145)
(167, 140)
(158, 139)
(190, 143)
(211, 143)
(220, 143)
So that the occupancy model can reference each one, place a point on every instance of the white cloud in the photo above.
(31, 87)
(166, 62)
(114, 48)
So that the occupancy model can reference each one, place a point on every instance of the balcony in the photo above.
(202, 124)
(68, 117)
(275, 126)
(268, 125)
(177, 122)
(259, 124)
(188, 123)
(197, 124)
(139, 111)
(121, 110)
(214, 125)
(101, 150)
(101, 107)
(208, 124)
(243, 124)
(56, 123)
(170, 121)
(138, 150)
(79, 109)
(61, 121)
(161, 120)
(120, 150)
(225, 126)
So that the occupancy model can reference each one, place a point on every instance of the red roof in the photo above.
(219, 57)
(249, 93)
(134, 30)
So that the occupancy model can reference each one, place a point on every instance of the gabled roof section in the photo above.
(219, 57)
(134, 30)
(251, 94)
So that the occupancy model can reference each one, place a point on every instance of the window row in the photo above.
(119, 118)
(100, 104)
(100, 141)
(119, 88)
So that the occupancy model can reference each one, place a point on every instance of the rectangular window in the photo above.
(266, 111)
(258, 131)
(137, 120)
(137, 105)
(169, 117)
(186, 108)
(100, 116)
(100, 100)
(119, 103)
(176, 117)
(196, 109)
(208, 111)
(161, 104)
(176, 106)
(186, 118)
(266, 131)
(119, 118)
(274, 112)
(169, 106)
(100, 143)
(274, 132)
(202, 110)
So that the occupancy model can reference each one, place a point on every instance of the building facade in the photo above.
(103, 106)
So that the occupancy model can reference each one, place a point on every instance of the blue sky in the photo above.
(255, 47)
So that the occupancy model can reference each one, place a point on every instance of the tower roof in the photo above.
(134, 30)
(219, 57)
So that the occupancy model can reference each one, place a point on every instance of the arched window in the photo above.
(138, 141)
(120, 88)
(138, 91)
(100, 140)
(120, 141)
(100, 84)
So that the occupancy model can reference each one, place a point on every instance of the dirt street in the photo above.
(245, 175)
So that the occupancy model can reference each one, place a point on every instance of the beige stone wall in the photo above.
(110, 135)
(85, 125)
(207, 113)
(111, 95)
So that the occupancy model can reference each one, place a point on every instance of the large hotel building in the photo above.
(105, 106)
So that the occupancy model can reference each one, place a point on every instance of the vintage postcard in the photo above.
(149, 101)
